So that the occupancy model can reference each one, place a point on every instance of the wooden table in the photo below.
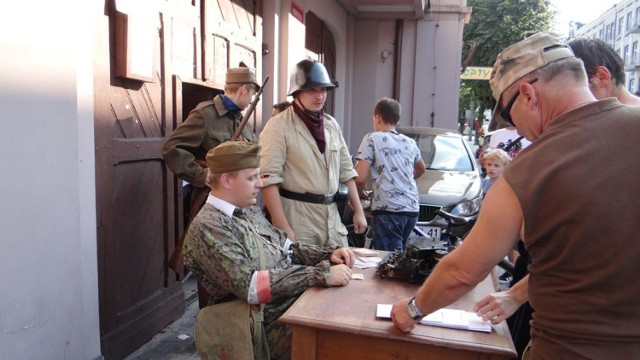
(341, 323)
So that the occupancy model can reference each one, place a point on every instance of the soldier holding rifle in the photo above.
(207, 126)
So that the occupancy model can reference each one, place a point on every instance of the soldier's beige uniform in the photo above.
(290, 158)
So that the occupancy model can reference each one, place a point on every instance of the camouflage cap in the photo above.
(233, 155)
(520, 59)
(241, 75)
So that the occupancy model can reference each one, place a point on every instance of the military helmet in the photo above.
(310, 74)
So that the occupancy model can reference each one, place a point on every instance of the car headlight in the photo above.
(468, 207)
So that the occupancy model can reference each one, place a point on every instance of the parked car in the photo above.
(452, 182)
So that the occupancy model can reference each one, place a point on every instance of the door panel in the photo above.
(139, 201)
(321, 46)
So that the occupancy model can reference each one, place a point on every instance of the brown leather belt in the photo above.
(309, 197)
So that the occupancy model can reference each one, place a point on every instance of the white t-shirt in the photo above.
(392, 157)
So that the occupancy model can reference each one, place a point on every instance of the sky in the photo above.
(583, 11)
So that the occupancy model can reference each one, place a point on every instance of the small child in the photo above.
(494, 162)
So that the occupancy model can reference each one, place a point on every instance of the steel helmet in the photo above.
(310, 74)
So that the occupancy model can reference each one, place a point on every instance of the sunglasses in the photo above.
(506, 112)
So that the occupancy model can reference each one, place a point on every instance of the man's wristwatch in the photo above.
(413, 310)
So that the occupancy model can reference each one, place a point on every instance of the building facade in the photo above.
(619, 27)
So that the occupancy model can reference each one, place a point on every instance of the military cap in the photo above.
(241, 75)
(233, 155)
(520, 59)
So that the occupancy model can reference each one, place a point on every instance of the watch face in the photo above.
(413, 310)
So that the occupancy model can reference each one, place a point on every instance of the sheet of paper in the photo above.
(365, 252)
(449, 318)
(367, 262)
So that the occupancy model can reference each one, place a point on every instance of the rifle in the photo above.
(250, 109)
(176, 260)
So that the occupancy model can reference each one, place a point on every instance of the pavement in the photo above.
(176, 341)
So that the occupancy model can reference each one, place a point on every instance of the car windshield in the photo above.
(443, 153)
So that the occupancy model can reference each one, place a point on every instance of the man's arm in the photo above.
(419, 168)
(359, 220)
(271, 197)
(492, 237)
(362, 168)
(498, 306)
(179, 149)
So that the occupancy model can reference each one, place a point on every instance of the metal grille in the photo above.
(427, 212)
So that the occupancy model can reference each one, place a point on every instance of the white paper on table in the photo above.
(449, 318)
(367, 262)
(365, 252)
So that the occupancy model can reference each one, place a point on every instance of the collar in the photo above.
(221, 205)
(229, 104)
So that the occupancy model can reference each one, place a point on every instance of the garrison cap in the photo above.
(241, 75)
(233, 155)
(520, 59)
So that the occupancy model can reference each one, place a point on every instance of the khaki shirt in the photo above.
(291, 159)
(206, 127)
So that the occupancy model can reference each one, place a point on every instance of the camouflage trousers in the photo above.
(278, 334)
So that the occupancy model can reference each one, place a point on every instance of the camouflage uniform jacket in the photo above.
(207, 126)
(223, 252)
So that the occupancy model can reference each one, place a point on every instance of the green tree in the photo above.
(494, 25)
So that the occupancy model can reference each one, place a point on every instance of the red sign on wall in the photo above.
(297, 11)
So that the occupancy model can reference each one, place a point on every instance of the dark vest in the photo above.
(578, 189)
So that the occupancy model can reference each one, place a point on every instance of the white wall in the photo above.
(437, 71)
(289, 47)
(49, 301)
(430, 61)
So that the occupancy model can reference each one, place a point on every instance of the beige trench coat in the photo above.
(290, 158)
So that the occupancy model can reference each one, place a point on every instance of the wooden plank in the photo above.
(125, 150)
(304, 343)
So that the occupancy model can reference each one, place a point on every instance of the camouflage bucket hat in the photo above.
(519, 60)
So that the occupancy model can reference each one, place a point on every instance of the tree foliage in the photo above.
(494, 25)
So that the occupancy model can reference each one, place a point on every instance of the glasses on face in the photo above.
(506, 112)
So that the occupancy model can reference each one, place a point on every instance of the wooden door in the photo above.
(148, 77)
(321, 46)
(232, 32)
(138, 294)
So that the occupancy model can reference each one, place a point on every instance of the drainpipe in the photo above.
(396, 58)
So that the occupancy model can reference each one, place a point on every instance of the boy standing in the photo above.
(394, 162)
(494, 161)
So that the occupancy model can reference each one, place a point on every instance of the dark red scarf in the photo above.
(314, 122)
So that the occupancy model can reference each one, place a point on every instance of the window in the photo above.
(637, 16)
(625, 55)
(620, 22)
(634, 53)
(628, 21)
(631, 84)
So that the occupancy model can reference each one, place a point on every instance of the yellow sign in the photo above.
(476, 73)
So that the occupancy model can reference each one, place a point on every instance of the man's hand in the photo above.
(291, 234)
(400, 316)
(343, 256)
(359, 222)
(496, 307)
(339, 275)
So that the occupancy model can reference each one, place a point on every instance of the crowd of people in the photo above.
(544, 202)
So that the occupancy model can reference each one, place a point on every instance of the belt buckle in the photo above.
(328, 199)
